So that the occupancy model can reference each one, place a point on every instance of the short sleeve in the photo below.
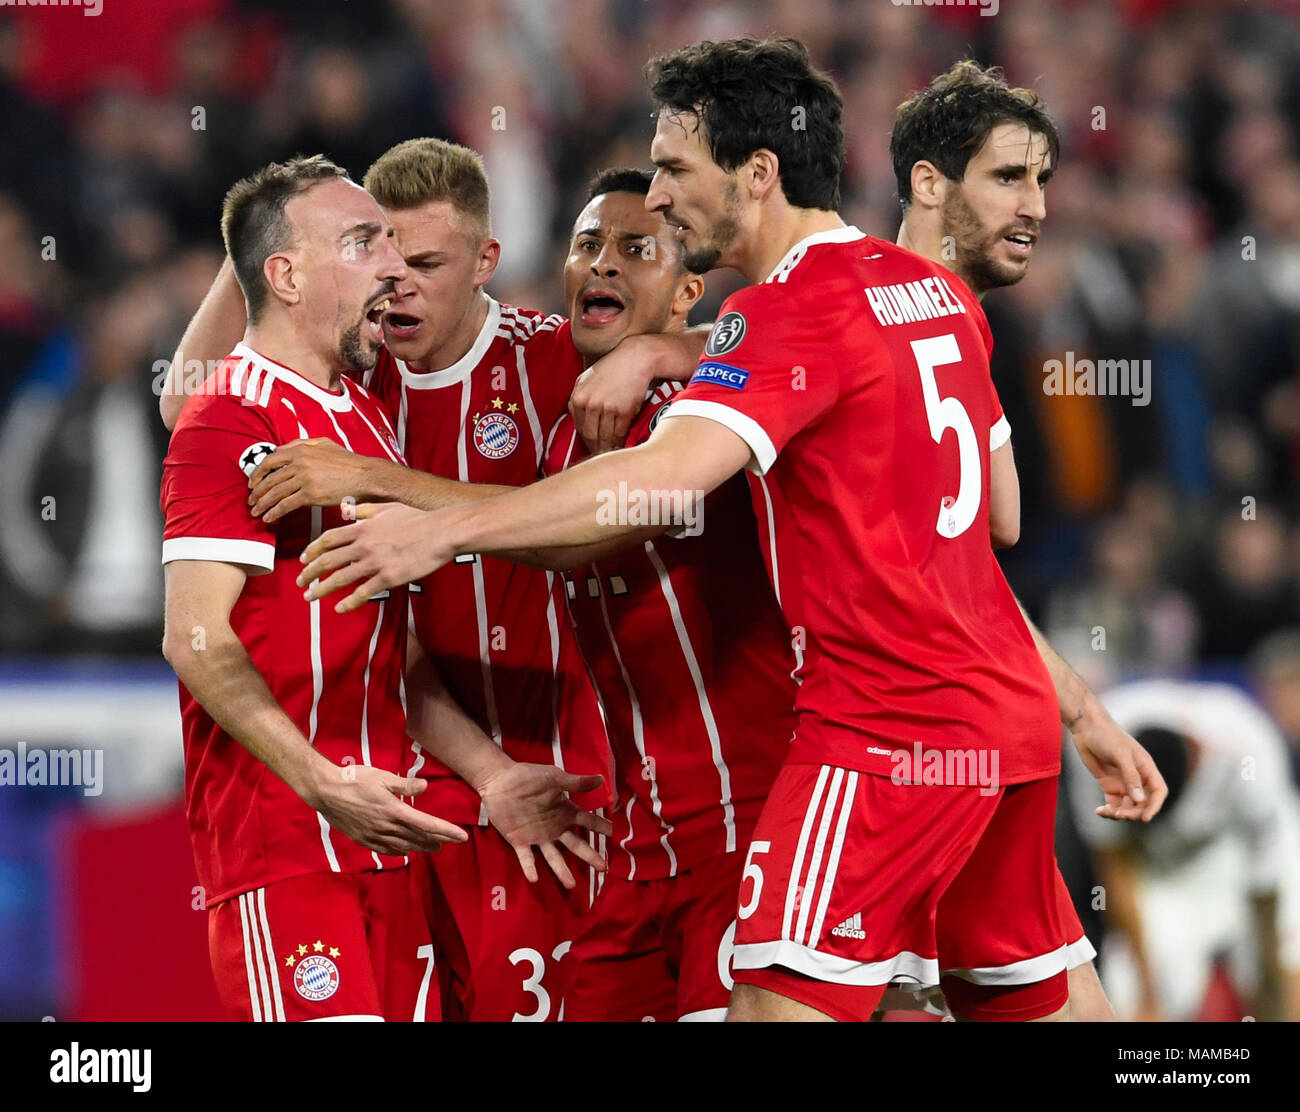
(1000, 430)
(763, 374)
(216, 446)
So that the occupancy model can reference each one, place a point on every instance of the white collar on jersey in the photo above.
(459, 370)
(782, 270)
(339, 403)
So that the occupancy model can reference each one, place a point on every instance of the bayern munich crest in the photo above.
(496, 435)
(316, 978)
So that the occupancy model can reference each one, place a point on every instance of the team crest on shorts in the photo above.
(654, 421)
(316, 977)
(496, 435)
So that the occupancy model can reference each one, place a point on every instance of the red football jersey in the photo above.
(858, 374)
(494, 629)
(693, 664)
(338, 676)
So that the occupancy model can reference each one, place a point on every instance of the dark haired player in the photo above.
(692, 659)
(295, 733)
(878, 546)
(972, 158)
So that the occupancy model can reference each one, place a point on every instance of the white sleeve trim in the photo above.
(749, 430)
(1000, 433)
(257, 554)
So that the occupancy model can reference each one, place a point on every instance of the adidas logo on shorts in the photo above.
(850, 928)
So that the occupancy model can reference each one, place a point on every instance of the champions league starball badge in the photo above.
(251, 456)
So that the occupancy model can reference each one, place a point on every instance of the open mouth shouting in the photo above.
(400, 326)
(600, 306)
(375, 314)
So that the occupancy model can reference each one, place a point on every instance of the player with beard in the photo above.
(878, 546)
(972, 158)
(295, 733)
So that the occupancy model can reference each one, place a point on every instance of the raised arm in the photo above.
(685, 458)
(216, 327)
(322, 473)
(209, 659)
(610, 393)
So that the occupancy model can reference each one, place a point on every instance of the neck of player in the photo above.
(926, 239)
(280, 342)
(779, 227)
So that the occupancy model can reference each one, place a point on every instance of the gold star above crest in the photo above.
(288, 960)
(318, 946)
(497, 403)
(334, 951)
(512, 408)
(302, 949)
(476, 417)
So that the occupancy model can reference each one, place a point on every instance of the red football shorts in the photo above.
(657, 949)
(853, 882)
(326, 946)
(1078, 950)
(499, 938)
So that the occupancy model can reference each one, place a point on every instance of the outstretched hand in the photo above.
(529, 805)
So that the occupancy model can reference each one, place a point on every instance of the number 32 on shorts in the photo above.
(533, 982)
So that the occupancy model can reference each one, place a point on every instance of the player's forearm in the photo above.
(216, 327)
(212, 663)
(391, 482)
(1078, 705)
(680, 354)
(595, 502)
(438, 724)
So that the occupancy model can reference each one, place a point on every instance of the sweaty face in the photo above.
(693, 192)
(621, 274)
(441, 251)
(995, 213)
(345, 264)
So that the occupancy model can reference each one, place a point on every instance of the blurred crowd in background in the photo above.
(1173, 234)
(1158, 538)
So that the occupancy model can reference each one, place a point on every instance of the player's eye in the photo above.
(637, 249)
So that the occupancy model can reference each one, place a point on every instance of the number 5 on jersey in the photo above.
(948, 413)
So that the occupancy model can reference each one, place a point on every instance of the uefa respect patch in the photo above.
(720, 374)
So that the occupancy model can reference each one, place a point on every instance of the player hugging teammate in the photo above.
(753, 681)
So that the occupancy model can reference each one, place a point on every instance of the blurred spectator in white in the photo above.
(1212, 879)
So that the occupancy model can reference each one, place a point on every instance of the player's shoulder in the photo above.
(237, 395)
(530, 327)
